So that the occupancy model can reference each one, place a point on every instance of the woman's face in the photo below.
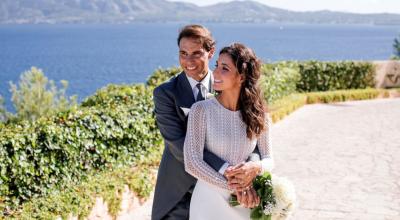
(226, 75)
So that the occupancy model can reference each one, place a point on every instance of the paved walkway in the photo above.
(343, 158)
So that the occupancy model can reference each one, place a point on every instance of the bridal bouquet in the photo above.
(277, 198)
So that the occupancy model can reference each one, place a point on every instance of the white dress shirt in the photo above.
(205, 85)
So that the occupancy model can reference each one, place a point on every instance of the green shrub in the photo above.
(53, 152)
(279, 80)
(161, 75)
(327, 76)
(78, 200)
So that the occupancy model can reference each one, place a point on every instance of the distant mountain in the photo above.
(129, 11)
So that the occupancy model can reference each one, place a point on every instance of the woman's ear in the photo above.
(242, 78)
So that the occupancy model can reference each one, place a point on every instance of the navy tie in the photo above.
(200, 95)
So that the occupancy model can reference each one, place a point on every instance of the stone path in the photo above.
(343, 158)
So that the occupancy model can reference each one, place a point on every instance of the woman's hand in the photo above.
(241, 176)
(248, 198)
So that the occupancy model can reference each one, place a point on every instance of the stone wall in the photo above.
(387, 74)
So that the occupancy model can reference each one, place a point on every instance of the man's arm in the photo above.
(172, 129)
(214, 161)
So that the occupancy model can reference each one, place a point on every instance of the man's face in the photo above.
(193, 58)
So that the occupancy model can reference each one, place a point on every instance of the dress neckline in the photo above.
(223, 107)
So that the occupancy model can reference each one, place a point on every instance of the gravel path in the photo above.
(343, 158)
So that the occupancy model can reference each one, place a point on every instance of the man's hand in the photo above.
(248, 198)
(241, 176)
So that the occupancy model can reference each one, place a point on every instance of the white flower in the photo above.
(268, 209)
(285, 196)
(209, 95)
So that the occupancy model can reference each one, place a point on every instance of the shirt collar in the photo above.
(205, 82)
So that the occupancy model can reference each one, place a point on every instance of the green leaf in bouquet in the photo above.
(266, 217)
(233, 201)
(256, 213)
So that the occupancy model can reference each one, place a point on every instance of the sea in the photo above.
(91, 56)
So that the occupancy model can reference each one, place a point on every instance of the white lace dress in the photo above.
(223, 132)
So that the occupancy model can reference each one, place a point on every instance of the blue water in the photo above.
(92, 56)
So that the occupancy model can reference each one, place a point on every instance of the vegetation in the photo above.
(115, 127)
(160, 75)
(78, 199)
(292, 102)
(279, 80)
(329, 76)
(37, 96)
(3, 112)
(57, 164)
(396, 48)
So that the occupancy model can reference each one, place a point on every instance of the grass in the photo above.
(283, 107)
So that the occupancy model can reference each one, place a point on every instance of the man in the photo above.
(173, 100)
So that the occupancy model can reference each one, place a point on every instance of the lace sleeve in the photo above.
(194, 147)
(264, 145)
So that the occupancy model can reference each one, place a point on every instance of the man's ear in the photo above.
(211, 53)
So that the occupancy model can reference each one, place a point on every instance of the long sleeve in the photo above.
(264, 146)
(194, 147)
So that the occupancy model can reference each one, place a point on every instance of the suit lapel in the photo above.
(184, 93)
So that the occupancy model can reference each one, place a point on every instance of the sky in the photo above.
(357, 6)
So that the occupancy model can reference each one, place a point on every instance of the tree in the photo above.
(37, 96)
(3, 112)
(396, 47)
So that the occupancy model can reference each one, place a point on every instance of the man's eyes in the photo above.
(196, 55)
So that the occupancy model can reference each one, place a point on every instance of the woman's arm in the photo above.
(264, 143)
(194, 147)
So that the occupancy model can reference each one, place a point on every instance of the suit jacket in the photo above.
(173, 182)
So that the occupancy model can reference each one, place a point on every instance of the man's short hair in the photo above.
(198, 32)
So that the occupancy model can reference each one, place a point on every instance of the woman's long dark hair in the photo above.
(251, 104)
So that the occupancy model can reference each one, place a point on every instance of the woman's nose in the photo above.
(216, 71)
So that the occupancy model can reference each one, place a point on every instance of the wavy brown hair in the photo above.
(251, 103)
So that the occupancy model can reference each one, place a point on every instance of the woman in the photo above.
(230, 126)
